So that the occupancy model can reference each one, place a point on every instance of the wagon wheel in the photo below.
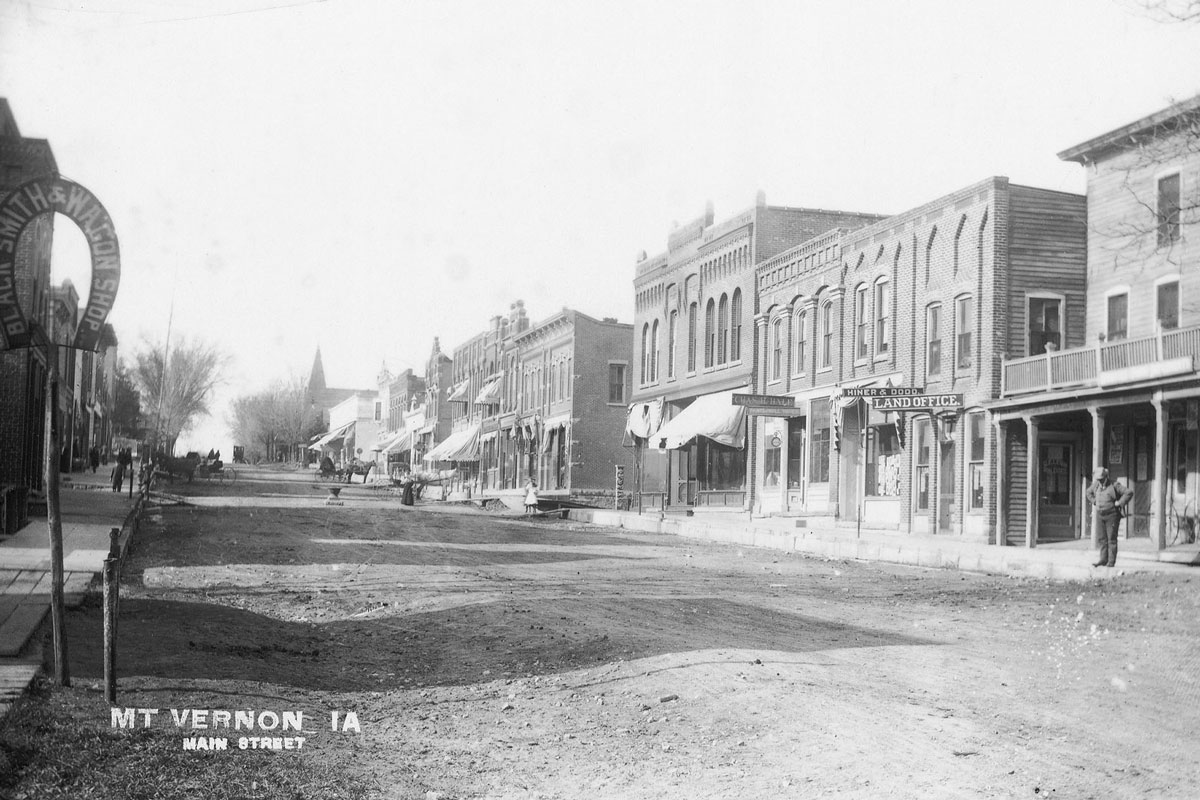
(228, 476)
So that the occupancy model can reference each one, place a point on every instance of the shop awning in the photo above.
(460, 446)
(644, 419)
(459, 393)
(713, 416)
(336, 433)
(490, 393)
(398, 443)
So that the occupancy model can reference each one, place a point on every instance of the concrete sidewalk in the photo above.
(828, 539)
(90, 509)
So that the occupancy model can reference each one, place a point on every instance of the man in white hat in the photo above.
(1110, 499)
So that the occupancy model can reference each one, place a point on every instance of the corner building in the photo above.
(1122, 389)
(929, 301)
(694, 313)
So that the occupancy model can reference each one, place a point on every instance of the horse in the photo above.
(172, 466)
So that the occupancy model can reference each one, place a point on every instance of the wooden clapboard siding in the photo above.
(1122, 198)
(1016, 482)
(1047, 253)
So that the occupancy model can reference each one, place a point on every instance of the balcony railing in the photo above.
(1089, 366)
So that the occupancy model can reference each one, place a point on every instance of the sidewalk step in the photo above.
(21, 624)
(14, 679)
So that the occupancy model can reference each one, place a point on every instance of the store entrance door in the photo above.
(683, 477)
(1056, 498)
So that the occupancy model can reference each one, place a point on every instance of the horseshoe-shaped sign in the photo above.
(47, 195)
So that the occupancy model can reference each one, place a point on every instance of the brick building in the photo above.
(931, 299)
(1123, 389)
(537, 402)
(23, 372)
(694, 313)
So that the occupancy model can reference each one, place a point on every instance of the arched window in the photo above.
(798, 354)
(929, 251)
(644, 374)
(827, 335)
(723, 330)
(692, 323)
(776, 349)
(735, 326)
(883, 317)
(654, 352)
(962, 223)
(862, 323)
(672, 332)
(710, 333)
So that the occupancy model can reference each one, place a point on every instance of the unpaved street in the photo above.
(487, 656)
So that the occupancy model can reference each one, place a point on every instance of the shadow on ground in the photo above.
(463, 645)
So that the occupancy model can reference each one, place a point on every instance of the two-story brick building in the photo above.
(694, 313)
(1122, 389)
(539, 401)
(929, 300)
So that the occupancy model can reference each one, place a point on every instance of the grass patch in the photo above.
(58, 743)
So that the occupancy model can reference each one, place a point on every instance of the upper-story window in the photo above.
(644, 375)
(723, 330)
(710, 333)
(964, 330)
(1118, 316)
(1167, 210)
(1167, 304)
(654, 352)
(933, 339)
(862, 323)
(776, 349)
(616, 384)
(827, 335)
(883, 316)
(672, 332)
(798, 354)
(1045, 324)
(735, 326)
(692, 323)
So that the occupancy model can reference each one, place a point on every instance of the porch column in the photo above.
(1001, 475)
(1098, 433)
(1158, 501)
(1031, 479)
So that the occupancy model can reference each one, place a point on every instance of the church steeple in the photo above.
(316, 380)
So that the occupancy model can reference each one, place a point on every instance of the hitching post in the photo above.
(110, 630)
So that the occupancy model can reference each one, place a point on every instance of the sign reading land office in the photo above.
(918, 401)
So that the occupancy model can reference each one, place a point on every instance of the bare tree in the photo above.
(1171, 10)
(127, 415)
(175, 398)
(277, 422)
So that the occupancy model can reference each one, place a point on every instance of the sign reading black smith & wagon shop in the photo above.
(47, 195)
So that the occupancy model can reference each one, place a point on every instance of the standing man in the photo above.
(1111, 500)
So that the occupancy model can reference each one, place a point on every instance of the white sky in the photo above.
(367, 174)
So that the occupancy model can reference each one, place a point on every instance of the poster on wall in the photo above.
(1116, 444)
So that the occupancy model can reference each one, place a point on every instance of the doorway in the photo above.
(947, 513)
(1057, 492)
(683, 476)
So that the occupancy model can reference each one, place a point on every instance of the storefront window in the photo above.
(721, 467)
(975, 430)
(796, 434)
(819, 471)
(883, 461)
(921, 473)
(772, 459)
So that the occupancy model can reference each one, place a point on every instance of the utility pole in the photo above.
(62, 674)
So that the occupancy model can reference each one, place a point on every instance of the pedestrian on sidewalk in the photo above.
(531, 498)
(1112, 500)
(94, 458)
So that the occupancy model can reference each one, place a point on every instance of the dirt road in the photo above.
(486, 656)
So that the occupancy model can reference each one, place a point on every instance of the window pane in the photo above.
(1168, 210)
(1168, 304)
(1117, 319)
